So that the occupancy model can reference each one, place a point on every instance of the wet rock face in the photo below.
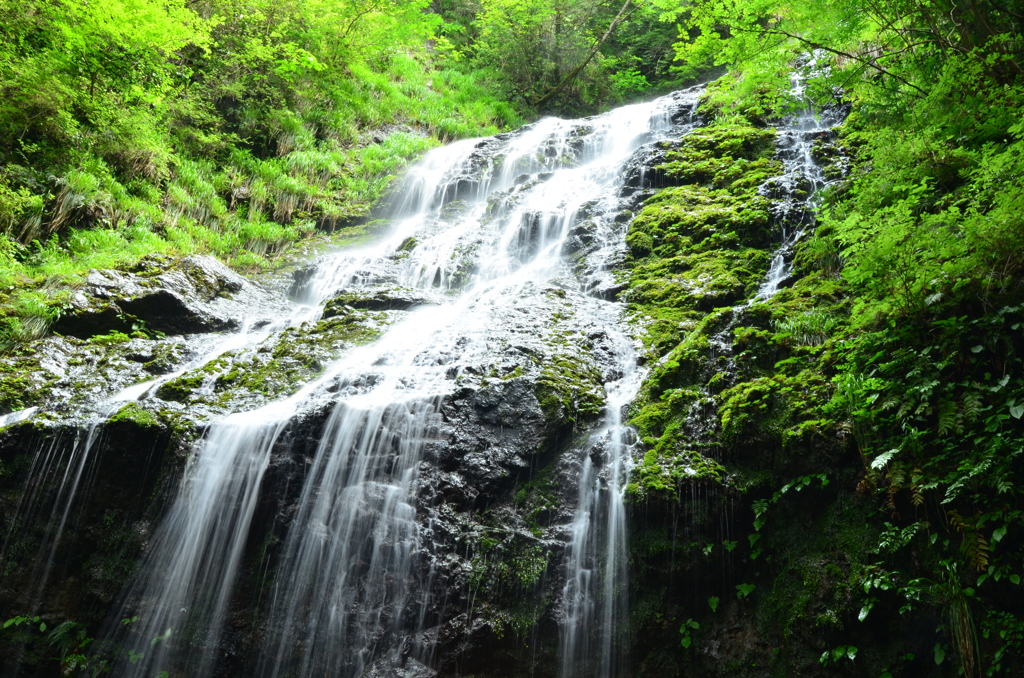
(509, 432)
(127, 327)
(73, 565)
(518, 396)
(197, 294)
(380, 299)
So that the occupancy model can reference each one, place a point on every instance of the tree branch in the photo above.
(870, 63)
(623, 13)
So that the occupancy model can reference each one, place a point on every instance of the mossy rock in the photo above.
(570, 391)
(137, 415)
(379, 299)
(680, 217)
(279, 366)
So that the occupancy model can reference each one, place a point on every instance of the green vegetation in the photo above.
(891, 366)
(233, 127)
(694, 247)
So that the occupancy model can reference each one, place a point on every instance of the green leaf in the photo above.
(940, 654)
(713, 603)
(685, 641)
(851, 652)
(42, 626)
(977, 349)
(744, 590)
(1016, 411)
(884, 458)
(998, 534)
(1015, 579)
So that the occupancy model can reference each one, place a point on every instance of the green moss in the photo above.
(570, 390)
(705, 242)
(279, 366)
(136, 414)
(165, 357)
(111, 338)
(538, 499)
(23, 381)
(720, 154)
(181, 388)
(678, 218)
(515, 562)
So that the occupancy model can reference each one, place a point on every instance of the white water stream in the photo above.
(796, 193)
(342, 592)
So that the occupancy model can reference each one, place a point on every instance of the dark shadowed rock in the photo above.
(195, 294)
(379, 299)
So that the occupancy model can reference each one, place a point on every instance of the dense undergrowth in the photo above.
(868, 418)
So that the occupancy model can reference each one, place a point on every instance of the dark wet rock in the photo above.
(581, 236)
(300, 279)
(129, 479)
(641, 170)
(379, 299)
(472, 175)
(195, 294)
(67, 372)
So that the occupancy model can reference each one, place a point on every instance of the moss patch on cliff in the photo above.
(570, 388)
(137, 415)
(279, 366)
(697, 246)
(702, 243)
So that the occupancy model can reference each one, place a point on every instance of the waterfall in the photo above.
(490, 244)
(595, 592)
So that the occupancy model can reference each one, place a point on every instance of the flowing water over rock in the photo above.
(450, 360)
(413, 465)
(797, 192)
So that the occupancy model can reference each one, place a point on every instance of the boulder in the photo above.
(195, 294)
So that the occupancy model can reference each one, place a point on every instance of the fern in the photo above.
(948, 416)
(972, 406)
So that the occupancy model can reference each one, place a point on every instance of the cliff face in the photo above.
(442, 509)
(757, 542)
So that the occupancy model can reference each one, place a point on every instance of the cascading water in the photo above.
(595, 597)
(480, 226)
(795, 194)
(495, 245)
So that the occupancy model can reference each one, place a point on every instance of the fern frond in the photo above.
(947, 417)
(972, 406)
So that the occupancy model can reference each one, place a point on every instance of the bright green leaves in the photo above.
(837, 654)
(744, 590)
(134, 25)
(685, 631)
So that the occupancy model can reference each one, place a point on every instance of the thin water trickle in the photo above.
(795, 194)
